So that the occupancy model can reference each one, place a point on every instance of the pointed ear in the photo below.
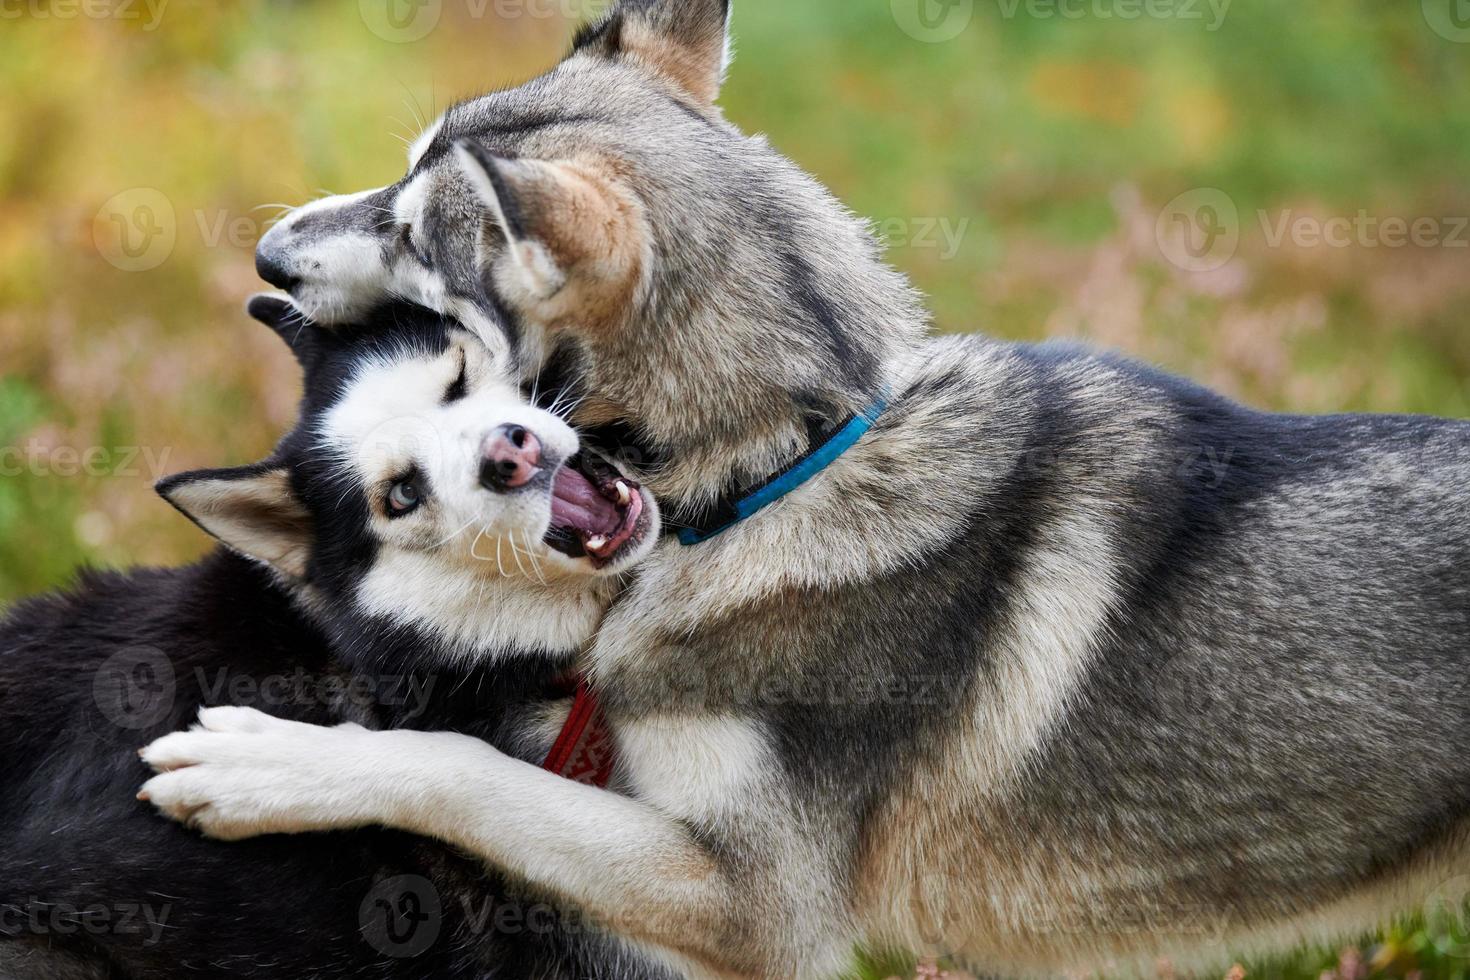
(687, 41)
(574, 235)
(252, 510)
(289, 323)
(527, 200)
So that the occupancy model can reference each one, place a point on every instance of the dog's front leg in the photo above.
(629, 866)
(241, 773)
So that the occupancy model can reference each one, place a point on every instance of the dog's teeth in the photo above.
(624, 494)
(597, 543)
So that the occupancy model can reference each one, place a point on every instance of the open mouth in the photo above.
(595, 511)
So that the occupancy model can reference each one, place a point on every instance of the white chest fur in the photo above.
(695, 767)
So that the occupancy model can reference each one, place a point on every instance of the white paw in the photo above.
(240, 773)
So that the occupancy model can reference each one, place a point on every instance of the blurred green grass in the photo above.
(1019, 171)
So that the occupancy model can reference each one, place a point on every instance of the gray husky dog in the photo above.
(1038, 658)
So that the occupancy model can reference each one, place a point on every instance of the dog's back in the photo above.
(1219, 675)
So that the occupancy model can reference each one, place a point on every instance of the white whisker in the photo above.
(475, 546)
(564, 408)
(535, 562)
(456, 534)
(515, 552)
(413, 105)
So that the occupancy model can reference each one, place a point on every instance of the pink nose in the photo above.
(510, 458)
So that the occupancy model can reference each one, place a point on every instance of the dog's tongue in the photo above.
(575, 503)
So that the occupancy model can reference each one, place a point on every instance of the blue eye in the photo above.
(403, 498)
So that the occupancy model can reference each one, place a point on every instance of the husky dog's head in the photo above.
(420, 487)
(606, 217)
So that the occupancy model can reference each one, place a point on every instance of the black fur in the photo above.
(604, 35)
(73, 838)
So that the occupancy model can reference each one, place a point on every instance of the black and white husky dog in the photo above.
(385, 568)
(1038, 657)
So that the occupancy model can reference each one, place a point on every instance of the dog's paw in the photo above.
(245, 720)
(240, 773)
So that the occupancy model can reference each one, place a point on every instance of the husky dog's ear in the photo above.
(687, 41)
(251, 510)
(289, 323)
(574, 237)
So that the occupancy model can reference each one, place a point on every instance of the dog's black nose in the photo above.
(510, 458)
(273, 270)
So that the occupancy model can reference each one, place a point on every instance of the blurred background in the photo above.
(1272, 198)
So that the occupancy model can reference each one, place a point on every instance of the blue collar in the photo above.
(827, 446)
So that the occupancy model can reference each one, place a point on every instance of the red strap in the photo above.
(583, 751)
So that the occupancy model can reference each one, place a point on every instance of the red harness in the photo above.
(583, 751)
